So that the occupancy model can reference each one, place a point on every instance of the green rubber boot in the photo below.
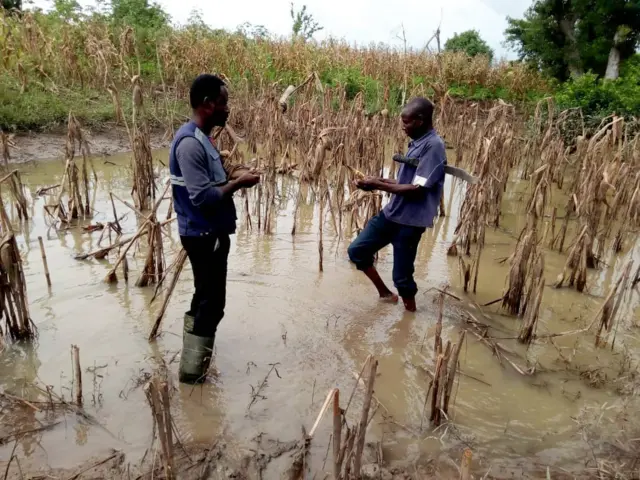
(195, 358)
(196, 354)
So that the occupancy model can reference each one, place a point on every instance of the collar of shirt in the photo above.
(420, 141)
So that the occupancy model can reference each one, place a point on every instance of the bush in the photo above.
(600, 98)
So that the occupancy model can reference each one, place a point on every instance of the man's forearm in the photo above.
(231, 187)
(391, 181)
(396, 188)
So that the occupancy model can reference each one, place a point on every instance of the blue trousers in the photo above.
(377, 234)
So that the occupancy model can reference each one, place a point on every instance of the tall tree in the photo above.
(469, 42)
(565, 38)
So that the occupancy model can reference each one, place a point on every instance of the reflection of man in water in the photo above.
(413, 206)
(203, 201)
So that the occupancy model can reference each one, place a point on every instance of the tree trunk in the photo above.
(567, 26)
(613, 65)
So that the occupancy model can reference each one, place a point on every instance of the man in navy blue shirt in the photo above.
(203, 201)
(411, 210)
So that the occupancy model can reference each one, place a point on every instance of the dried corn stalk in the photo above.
(15, 321)
(142, 164)
(71, 178)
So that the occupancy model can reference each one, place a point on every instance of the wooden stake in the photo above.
(44, 261)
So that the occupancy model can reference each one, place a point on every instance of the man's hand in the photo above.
(248, 180)
(368, 184)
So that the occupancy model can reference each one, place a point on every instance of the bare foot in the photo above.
(389, 298)
(409, 304)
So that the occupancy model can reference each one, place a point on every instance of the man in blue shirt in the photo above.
(203, 201)
(413, 206)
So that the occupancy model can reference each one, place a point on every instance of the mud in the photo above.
(318, 328)
(27, 147)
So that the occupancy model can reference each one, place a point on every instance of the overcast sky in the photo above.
(361, 21)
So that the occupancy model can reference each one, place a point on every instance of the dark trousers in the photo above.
(209, 264)
(377, 234)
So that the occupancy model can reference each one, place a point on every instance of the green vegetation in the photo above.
(11, 4)
(588, 47)
(599, 97)
(470, 43)
(71, 58)
(41, 107)
(568, 38)
(304, 26)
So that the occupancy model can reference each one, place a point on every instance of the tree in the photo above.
(139, 13)
(11, 4)
(304, 25)
(256, 32)
(469, 42)
(566, 38)
(67, 10)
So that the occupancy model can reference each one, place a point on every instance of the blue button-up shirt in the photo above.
(420, 210)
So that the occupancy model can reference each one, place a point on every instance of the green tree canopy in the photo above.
(139, 13)
(566, 38)
(469, 42)
(11, 4)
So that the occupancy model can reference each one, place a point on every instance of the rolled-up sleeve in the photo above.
(192, 159)
(430, 170)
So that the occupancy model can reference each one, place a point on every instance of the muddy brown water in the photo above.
(318, 328)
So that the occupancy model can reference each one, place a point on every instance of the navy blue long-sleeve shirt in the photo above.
(420, 210)
(193, 161)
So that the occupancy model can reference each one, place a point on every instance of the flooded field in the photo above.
(317, 328)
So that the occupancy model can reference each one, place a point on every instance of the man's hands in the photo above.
(368, 184)
(245, 179)
(248, 179)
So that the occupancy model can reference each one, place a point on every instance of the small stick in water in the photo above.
(465, 467)
(75, 353)
(44, 262)
(337, 433)
(115, 213)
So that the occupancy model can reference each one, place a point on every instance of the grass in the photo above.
(42, 109)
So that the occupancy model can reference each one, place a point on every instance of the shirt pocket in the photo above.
(218, 175)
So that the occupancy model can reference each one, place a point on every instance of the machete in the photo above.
(453, 171)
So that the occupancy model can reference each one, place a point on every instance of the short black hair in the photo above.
(205, 86)
(421, 106)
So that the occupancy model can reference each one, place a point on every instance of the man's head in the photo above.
(417, 117)
(209, 99)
